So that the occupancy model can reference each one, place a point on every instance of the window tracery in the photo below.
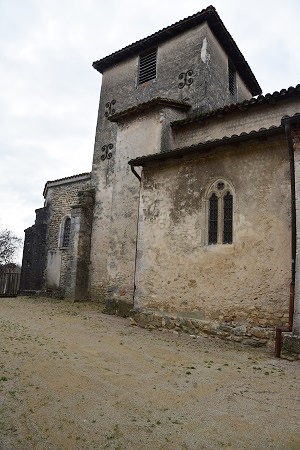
(220, 213)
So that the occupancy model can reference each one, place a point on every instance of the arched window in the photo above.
(66, 233)
(220, 213)
(213, 219)
(227, 218)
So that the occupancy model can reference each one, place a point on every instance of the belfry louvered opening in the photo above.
(147, 66)
(231, 78)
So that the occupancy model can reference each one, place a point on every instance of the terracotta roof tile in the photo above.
(205, 146)
(208, 15)
(69, 179)
(147, 105)
(242, 106)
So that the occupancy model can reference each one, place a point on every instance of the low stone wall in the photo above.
(291, 344)
(255, 336)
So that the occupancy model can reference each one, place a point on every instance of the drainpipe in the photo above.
(137, 229)
(287, 329)
(135, 173)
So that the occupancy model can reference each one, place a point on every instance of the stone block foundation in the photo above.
(291, 343)
(254, 336)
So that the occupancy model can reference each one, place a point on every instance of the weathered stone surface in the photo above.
(144, 244)
(35, 253)
(60, 197)
(118, 307)
(117, 190)
(239, 330)
(77, 277)
(259, 332)
(132, 322)
(230, 284)
(291, 343)
(254, 342)
(295, 134)
(252, 336)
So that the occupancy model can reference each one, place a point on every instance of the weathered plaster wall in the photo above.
(296, 145)
(59, 200)
(246, 283)
(291, 341)
(102, 181)
(196, 50)
(53, 272)
(236, 122)
(192, 50)
(216, 81)
(135, 134)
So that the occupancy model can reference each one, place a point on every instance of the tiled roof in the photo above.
(147, 105)
(70, 179)
(204, 147)
(243, 106)
(208, 15)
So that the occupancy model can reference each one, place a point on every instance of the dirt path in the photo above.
(73, 378)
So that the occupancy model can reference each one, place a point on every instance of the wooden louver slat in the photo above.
(147, 67)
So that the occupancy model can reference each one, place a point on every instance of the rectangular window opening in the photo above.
(231, 78)
(67, 232)
(147, 66)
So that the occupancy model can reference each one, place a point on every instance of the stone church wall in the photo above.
(196, 50)
(60, 197)
(237, 121)
(134, 133)
(243, 284)
(35, 253)
(216, 80)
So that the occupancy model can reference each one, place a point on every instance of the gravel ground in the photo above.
(73, 378)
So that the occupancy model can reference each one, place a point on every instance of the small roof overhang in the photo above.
(66, 180)
(158, 101)
(271, 99)
(205, 148)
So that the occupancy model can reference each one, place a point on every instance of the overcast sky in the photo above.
(49, 91)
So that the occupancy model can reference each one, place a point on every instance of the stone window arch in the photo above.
(65, 232)
(219, 221)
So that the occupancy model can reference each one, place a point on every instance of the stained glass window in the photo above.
(227, 220)
(213, 220)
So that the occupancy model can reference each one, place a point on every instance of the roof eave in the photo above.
(66, 180)
(242, 106)
(153, 103)
(208, 15)
(205, 147)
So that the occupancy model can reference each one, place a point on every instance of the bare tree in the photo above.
(9, 244)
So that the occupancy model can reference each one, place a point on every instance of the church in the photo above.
(188, 219)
